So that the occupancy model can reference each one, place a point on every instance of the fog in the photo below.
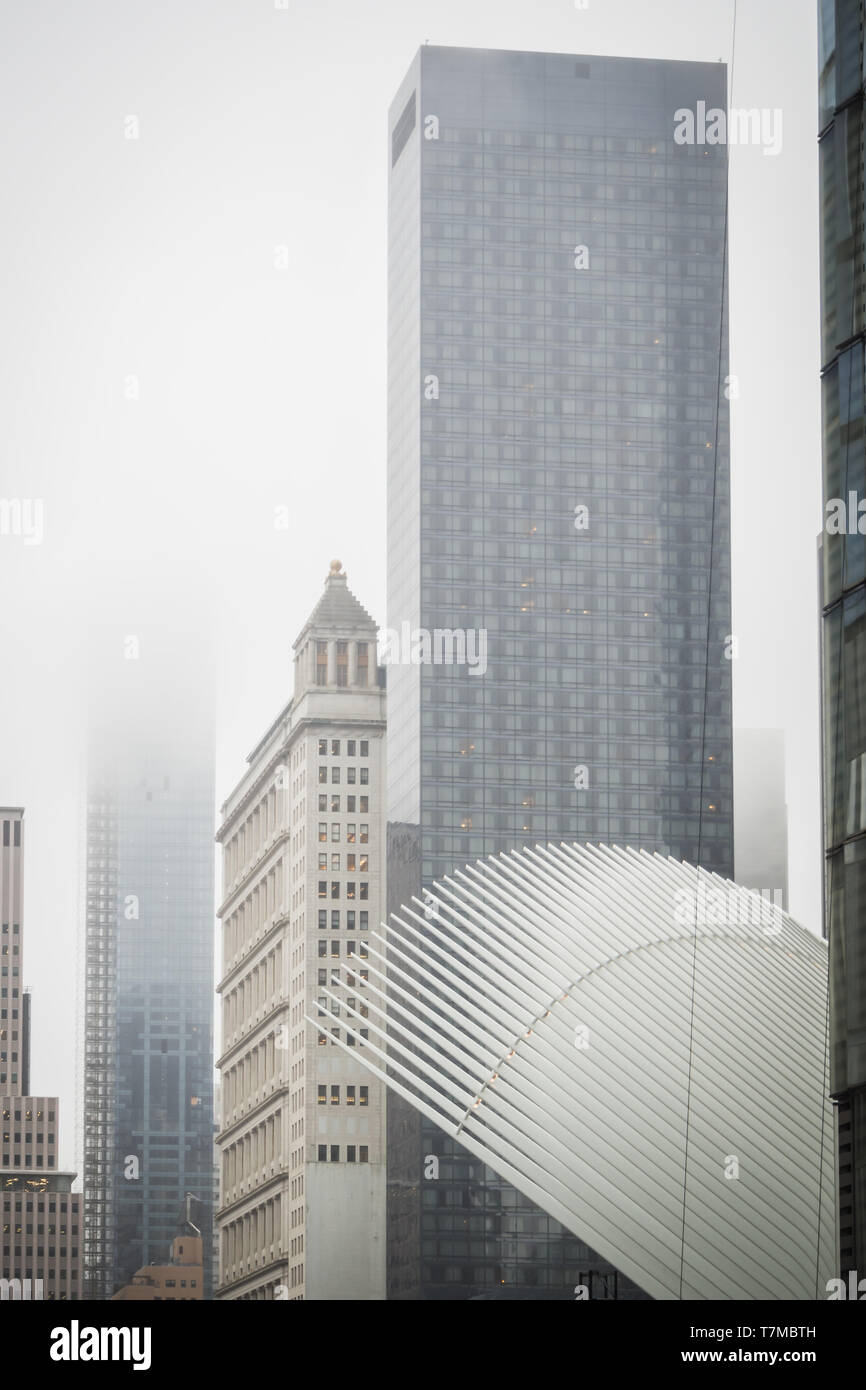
(193, 249)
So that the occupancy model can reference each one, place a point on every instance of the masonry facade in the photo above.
(41, 1238)
(301, 1143)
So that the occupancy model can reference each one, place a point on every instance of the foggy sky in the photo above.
(167, 387)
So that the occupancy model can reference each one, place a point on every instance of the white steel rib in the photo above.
(638, 1045)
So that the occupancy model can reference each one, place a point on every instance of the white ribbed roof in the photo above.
(617, 1034)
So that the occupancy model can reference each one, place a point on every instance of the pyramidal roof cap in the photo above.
(338, 610)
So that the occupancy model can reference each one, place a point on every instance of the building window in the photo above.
(335, 950)
(322, 1095)
(335, 775)
(350, 1153)
(350, 1095)
(323, 864)
(323, 830)
(323, 918)
(335, 831)
(365, 1154)
(322, 977)
(365, 921)
(350, 776)
(323, 800)
(350, 863)
(335, 748)
(323, 1153)
(323, 774)
(365, 748)
(335, 1095)
(350, 833)
(350, 748)
(350, 889)
(335, 863)
(365, 890)
(323, 948)
(323, 1006)
(321, 663)
(350, 803)
(335, 803)
(350, 920)
(365, 803)
(335, 889)
(365, 1095)
(364, 864)
(363, 662)
(342, 663)
(323, 888)
(365, 776)
(335, 1153)
(365, 833)
(323, 748)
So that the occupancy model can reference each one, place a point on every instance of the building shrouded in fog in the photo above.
(843, 584)
(558, 497)
(148, 1063)
(302, 1140)
(761, 813)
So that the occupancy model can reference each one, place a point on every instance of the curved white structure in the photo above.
(639, 1046)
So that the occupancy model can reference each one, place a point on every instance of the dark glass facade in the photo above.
(843, 581)
(148, 1116)
(558, 479)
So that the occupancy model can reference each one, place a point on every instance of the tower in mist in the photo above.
(761, 813)
(148, 1063)
(558, 501)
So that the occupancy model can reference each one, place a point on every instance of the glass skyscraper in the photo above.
(843, 580)
(149, 984)
(559, 508)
